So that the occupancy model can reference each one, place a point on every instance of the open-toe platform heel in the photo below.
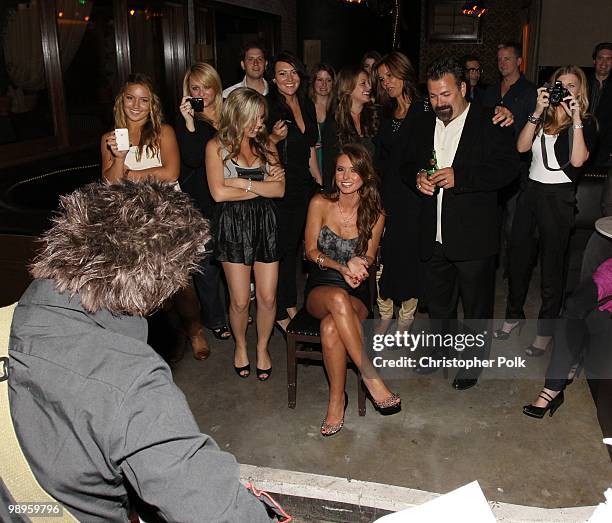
(501, 334)
(552, 405)
(222, 333)
(263, 374)
(329, 430)
(388, 406)
(246, 370)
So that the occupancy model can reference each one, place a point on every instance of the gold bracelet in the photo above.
(249, 187)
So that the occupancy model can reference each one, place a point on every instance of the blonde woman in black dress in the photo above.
(244, 174)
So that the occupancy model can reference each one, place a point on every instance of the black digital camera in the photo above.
(197, 104)
(556, 93)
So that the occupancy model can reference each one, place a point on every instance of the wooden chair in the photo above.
(304, 328)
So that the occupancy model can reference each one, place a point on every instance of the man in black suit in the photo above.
(460, 217)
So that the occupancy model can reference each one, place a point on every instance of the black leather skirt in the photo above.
(246, 231)
(332, 278)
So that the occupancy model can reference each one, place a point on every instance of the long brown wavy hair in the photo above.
(124, 247)
(150, 135)
(370, 203)
(553, 124)
(399, 66)
(345, 84)
(239, 111)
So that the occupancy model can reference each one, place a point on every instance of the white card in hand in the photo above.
(123, 139)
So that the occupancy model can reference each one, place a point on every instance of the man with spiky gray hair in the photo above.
(94, 407)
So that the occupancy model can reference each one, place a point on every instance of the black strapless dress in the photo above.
(340, 250)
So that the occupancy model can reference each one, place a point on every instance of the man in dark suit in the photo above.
(600, 102)
(460, 217)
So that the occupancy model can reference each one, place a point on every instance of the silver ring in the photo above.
(418, 186)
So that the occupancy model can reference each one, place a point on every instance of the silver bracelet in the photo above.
(578, 126)
(320, 260)
(249, 187)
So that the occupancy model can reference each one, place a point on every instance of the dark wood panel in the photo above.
(53, 70)
(122, 39)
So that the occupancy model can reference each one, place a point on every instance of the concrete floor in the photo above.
(441, 440)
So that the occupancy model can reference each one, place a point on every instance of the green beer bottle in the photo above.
(433, 164)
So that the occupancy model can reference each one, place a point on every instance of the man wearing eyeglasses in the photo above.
(473, 72)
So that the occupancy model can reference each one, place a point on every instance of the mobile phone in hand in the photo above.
(123, 139)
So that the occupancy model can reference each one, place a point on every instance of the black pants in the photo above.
(207, 285)
(544, 219)
(291, 219)
(471, 280)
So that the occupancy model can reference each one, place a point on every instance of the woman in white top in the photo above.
(153, 153)
(559, 135)
(153, 149)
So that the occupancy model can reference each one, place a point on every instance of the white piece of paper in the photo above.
(466, 504)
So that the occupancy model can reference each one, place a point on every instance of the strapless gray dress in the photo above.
(340, 250)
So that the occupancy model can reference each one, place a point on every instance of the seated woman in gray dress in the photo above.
(343, 230)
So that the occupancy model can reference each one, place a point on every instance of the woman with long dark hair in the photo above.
(244, 174)
(323, 94)
(343, 229)
(293, 123)
(560, 135)
(399, 275)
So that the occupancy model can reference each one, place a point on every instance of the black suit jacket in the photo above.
(485, 162)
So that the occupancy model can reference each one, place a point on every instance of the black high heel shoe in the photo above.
(388, 406)
(501, 334)
(536, 352)
(263, 374)
(329, 430)
(552, 406)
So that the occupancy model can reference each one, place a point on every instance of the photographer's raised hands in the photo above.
(542, 102)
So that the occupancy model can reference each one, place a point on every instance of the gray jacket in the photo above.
(95, 409)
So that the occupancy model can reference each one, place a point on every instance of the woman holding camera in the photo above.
(343, 229)
(293, 124)
(200, 109)
(152, 150)
(560, 135)
(244, 174)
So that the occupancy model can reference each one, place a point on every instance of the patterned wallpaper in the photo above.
(501, 23)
